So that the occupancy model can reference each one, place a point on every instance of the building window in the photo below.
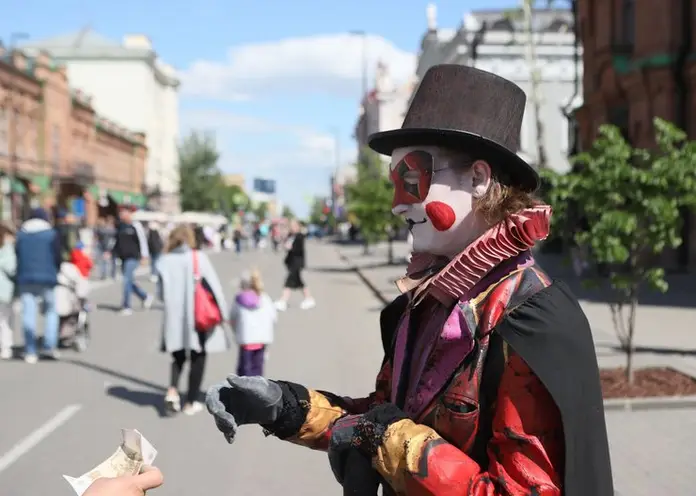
(628, 23)
(4, 133)
(619, 117)
(18, 138)
(55, 144)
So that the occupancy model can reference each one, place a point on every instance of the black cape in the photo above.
(550, 332)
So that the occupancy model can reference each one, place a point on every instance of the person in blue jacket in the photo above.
(39, 255)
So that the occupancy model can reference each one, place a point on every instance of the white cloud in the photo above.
(330, 64)
(311, 149)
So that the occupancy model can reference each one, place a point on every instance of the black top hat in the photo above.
(465, 108)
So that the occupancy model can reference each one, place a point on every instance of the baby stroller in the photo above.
(71, 300)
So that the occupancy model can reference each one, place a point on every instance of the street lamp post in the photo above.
(336, 171)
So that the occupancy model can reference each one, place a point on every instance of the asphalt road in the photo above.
(65, 417)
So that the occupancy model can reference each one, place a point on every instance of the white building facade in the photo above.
(491, 41)
(384, 107)
(132, 87)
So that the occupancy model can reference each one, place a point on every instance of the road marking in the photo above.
(32, 440)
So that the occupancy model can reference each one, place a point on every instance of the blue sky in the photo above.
(277, 81)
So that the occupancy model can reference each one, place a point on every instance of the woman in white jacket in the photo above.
(253, 317)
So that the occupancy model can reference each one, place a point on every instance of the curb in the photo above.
(645, 404)
(612, 404)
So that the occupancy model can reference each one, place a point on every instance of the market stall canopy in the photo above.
(200, 218)
(150, 216)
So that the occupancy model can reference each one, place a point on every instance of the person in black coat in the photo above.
(155, 245)
(295, 263)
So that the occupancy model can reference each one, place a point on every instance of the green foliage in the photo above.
(370, 198)
(230, 198)
(260, 210)
(287, 212)
(200, 177)
(632, 199)
(316, 212)
(202, 186)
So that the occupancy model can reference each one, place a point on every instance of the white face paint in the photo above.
(435, 200)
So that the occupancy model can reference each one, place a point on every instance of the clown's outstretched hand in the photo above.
(242, 401)
(252, 400)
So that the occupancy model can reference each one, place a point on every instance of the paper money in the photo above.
(134, 452)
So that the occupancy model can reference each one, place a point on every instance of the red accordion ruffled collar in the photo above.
(516, 234)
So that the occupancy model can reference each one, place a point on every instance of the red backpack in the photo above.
(205, 309)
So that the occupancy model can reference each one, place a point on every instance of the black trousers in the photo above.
(197, 361)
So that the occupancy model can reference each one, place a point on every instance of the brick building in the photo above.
(53, 144)
(639, 64)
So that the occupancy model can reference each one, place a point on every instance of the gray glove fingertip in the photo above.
(227, 426)
(229, 437)
(212, 397)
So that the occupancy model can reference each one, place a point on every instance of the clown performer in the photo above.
(489, 384)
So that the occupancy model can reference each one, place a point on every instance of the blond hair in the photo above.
(253, 281)
(180, 235)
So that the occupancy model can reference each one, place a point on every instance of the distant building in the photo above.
(264, 191)
(134, 88)
(235, 180)
(490, 40)
(384, 107)
(53, 144)
(639, 64)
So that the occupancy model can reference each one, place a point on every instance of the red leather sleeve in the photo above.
(525, 452)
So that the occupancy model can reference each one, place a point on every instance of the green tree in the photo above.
(316, 211)
(200, 177)
(260, 210)
(370, 200)
(231, 198)
(632, 199)
(287, 212)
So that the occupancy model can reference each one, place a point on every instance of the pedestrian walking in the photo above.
(68, 232)
(179, 269)
(8, 270)
(155, 245)
(131, 249)
(105, 234)
(237, 239)
(39, 255)
(253, 317)
(295, 263)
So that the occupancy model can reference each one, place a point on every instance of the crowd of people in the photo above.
(47, 254)
(46, 267)
(31, 262)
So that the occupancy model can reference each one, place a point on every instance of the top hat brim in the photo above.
(513, 168)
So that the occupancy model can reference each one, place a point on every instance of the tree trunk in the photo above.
(390, 250)
(630, 347)
(366, 247)
(535, 97)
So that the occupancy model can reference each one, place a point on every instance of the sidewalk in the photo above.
(651, 449)
(666, 330)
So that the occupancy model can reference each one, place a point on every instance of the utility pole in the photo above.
(535, 80)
